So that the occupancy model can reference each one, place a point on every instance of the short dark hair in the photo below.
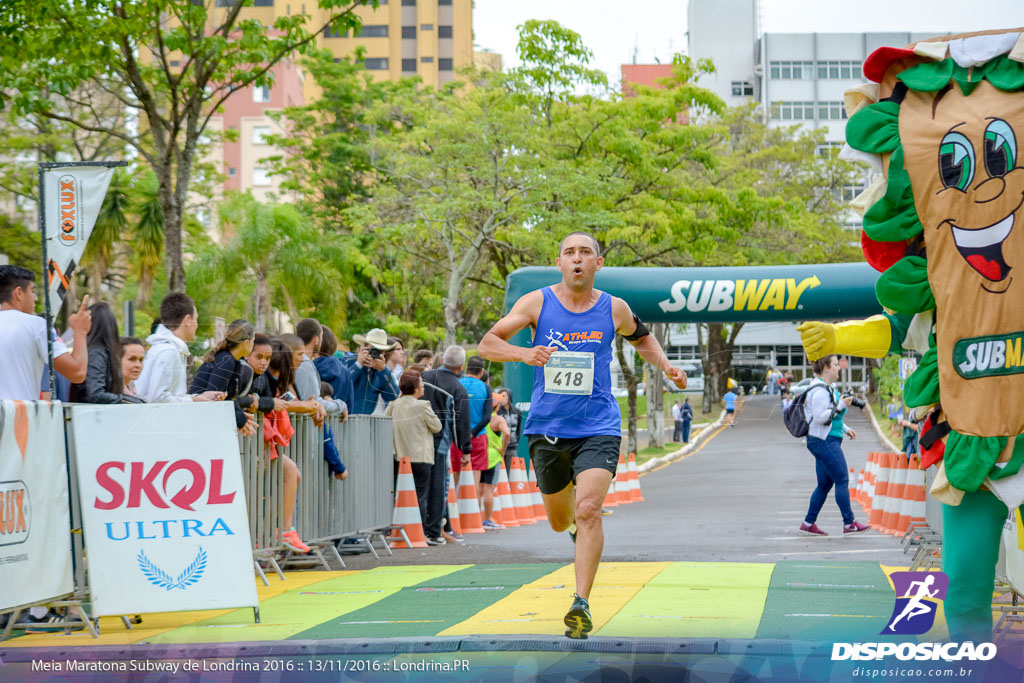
(261, 339)
(822, 363)
(422, 355)
(128, 341)
(326, 390)
(475, 364)
(408, 382)
(308, 329)
(174, 308)
(292, 341)
(12, 277)
(597, 247)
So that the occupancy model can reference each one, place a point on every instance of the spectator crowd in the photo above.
(445, 414)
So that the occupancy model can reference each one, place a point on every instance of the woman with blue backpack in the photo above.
(824, 409)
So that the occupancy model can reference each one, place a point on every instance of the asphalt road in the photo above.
(739, 498)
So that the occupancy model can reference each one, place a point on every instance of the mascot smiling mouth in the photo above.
(983, 248)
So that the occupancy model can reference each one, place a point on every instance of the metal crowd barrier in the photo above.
(326, 509)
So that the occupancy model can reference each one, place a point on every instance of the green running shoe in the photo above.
(577, 620)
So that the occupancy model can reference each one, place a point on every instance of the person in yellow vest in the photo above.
(498, 436)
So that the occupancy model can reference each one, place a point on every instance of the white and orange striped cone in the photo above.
(895, 493)
(878, 506)
(504, 494)
(407, 509)
(535, 496)
(634, 480)
(622, 494)
(520, 493)
(469, 504)
(852, 486)
(611, 499)
(871, 479)
(916, 482)
(453, 507)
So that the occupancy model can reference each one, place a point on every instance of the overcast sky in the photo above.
(615, 29)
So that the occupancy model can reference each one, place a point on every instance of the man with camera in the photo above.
(824, 409)
(373, 385)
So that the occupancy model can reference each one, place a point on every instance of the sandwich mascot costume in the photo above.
(943, 122)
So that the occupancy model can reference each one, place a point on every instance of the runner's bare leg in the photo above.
(559, 508)
(591, 489)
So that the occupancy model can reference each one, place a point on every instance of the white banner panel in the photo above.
(163, 507)
(73, 197)
(35, 528)
(1013, 547)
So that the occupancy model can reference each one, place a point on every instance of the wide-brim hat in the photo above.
(377, 338)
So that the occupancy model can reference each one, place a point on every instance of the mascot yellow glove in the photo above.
(869, 338)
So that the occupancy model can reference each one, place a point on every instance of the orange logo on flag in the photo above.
(68, 209)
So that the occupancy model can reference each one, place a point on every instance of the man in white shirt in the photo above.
(677, 420)
(23, 337)
(163, 377)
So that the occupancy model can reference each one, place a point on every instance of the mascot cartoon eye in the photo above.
(956, 161)
(1000, 148)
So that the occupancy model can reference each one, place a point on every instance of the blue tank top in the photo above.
(570, 416)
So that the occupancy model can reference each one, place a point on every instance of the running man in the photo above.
(916, 607)
(574, 422)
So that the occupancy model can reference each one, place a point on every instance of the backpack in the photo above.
(793, 415)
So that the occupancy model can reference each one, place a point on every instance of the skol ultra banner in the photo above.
(72, 196)
(35, 530)
(163, 507)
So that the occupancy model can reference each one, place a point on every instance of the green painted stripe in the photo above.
(827, 601)
(300, 608)
(696, 600)
(432, 605)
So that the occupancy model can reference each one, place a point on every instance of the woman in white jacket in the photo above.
(824, 409)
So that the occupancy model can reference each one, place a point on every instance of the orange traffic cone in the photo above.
(453, 507)
(520, 494)
(622, 495)
(535, 496)
(503, 493)
(897, 483)
(881, 490)
(611, 499)
(407, 509)
(917, 485)
(634, 480)
(469, 504)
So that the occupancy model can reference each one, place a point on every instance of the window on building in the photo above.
(263, 3)
(792, 111)
(175, 63)
(409, 32)
(377, 63)
(789, 70)
(848, 193)
(742, 89)
(373, 31)
(444, 3)
(444, 31)
(261, 93)
(409, 65)
(829, 149)
(259, 134)
(231, 172)
(426, 60)
(426, 27)
(839, 69)
(408, 3)
(445, 64)
(831, 111)
(260, 177)
(335, 33)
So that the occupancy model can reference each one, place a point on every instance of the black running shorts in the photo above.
(489, 476)
(557, 464)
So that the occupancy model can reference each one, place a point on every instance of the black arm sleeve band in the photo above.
(640, 332)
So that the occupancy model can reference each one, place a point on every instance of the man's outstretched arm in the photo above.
(495, 346)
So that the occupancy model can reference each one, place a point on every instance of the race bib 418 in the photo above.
(569, 372)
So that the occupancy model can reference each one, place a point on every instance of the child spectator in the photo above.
(103, 380)
(331, 455)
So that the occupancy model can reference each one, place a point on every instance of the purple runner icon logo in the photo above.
(917, 599)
